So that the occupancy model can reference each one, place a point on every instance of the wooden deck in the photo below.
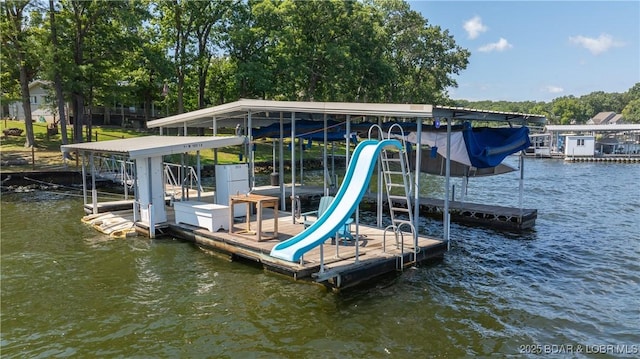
(340, 267)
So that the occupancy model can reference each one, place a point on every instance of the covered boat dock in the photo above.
(338, 264)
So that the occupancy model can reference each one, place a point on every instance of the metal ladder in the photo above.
(394, 167)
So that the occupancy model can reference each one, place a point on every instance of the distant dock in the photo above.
(607, 159)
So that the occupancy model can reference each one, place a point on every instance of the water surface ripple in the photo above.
(573, 280)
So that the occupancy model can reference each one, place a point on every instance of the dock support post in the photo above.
(152, 224)
(215, 133)
(325, 174)
(94, 193)
(252, 153)
(357, 237)
(521, 184)
(348, 146)
(418, 165)
(293, 165)
(84, 177)
(379, 185)
(446, 216)
(198, 173)
(283, 196)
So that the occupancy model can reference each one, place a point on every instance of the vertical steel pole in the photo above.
(293, 166)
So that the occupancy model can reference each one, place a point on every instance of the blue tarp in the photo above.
(488, 147)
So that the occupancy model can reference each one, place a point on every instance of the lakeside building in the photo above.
(604, 140)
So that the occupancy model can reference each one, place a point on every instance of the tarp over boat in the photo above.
(473, 152)
(488, 147)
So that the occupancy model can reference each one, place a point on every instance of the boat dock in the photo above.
(497, 217)
(607, 158)
(334, 266)
(333, 250)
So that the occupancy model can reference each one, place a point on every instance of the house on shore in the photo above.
(606, 118)
(41, 108)
(44, 110)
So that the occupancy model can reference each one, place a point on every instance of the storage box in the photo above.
(201, 214)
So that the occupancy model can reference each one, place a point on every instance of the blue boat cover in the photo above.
(488, 147)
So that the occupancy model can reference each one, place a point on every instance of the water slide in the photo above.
(354, 185)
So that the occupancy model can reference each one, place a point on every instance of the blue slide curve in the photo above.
(354, 185)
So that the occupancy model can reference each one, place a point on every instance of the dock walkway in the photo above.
(497, 217)
(338, 269)
(341, 268)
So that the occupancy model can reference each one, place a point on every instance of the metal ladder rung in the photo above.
(399, 198)
(400, 209)
(399, 221)
(395, 185)
(394, 173)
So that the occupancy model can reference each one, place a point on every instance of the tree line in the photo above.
(185, 55)
(568, 110)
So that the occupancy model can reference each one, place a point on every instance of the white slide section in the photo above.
(354, 186)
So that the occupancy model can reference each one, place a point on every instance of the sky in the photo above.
(540, 50)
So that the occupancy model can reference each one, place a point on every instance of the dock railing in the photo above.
(178, 177)
(121, 171)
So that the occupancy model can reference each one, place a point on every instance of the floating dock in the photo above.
(497, 217)
(343, 266)
(303, 254)
(608, 159)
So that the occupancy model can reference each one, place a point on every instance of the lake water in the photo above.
(569, 287)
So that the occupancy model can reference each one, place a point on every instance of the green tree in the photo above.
(631, 112)
(222, 81)
(568, 110)
(20, 53)
(55, 67)
(252, 48)
(424, 57)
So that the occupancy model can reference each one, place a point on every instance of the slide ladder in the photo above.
(394, 168)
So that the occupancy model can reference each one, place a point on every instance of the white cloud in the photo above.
(474, 27)
(501, 45)
(596, 45)
(554, 89)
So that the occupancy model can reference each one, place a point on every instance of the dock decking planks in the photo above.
(340, 271)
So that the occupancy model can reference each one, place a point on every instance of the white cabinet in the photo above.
(232, 180)
(201, 214)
